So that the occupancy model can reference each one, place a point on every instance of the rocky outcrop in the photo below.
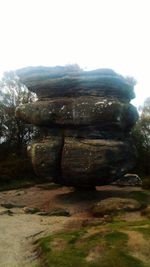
(80, 111)
(46, 156)
(129, 179)
(93, 162)
(49, 82)
(84, 120)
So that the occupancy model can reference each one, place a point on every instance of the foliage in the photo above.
(142, 197)
(15, 167)
(12, 94)
(16, 172)
(141, 136)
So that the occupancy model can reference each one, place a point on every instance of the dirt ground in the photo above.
(18, 230)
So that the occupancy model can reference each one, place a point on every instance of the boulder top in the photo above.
(71, 81)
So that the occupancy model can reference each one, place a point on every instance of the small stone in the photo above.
(6, 212)
(19, 193)
(30, 210)
(43, 213)
(10, 205)
(59, 212)
(7, 205)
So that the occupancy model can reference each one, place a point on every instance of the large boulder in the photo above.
(95, 162)
(64, 82)
(81, 111)
(83, 120)
(46, 157)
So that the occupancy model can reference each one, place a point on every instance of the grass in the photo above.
(119, 243)
(146, 182)
(118, 258)
(101, 249)
(116, 237)
(145, 232)
(128, 225)
(142, 196)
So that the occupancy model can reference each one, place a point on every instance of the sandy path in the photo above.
(17, 233)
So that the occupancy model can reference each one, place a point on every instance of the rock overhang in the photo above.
(62, 81)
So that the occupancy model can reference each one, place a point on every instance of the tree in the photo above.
(12, 94)
(15, 166)
(141, 135)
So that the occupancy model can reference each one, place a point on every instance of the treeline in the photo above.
(15, 166)
(141, 139)
(15, 134)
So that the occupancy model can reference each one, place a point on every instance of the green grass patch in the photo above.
(117, 238)
(142, 196)
(102, 249)
(146, 182)
(119, 258)
(127, 224)
(145, 231)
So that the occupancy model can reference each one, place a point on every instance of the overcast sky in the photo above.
(92, 33)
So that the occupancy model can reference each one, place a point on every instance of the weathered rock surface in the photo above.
(107, 112)
(46, 156)
(86, 132)
(129, 179)
(84, 120)
(10, 205)
(59, 212)
(64, 82)
(94, 162)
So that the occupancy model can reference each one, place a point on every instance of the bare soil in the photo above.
(18, 230)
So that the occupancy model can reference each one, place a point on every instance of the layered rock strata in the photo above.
(84, 119)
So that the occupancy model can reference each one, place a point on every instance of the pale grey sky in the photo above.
(92, 33)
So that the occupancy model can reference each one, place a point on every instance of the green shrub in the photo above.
(16, 171)
(146, 182)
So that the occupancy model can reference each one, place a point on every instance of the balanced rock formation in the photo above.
(84, 119)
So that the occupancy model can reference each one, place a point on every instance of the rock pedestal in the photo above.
(84, 120)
